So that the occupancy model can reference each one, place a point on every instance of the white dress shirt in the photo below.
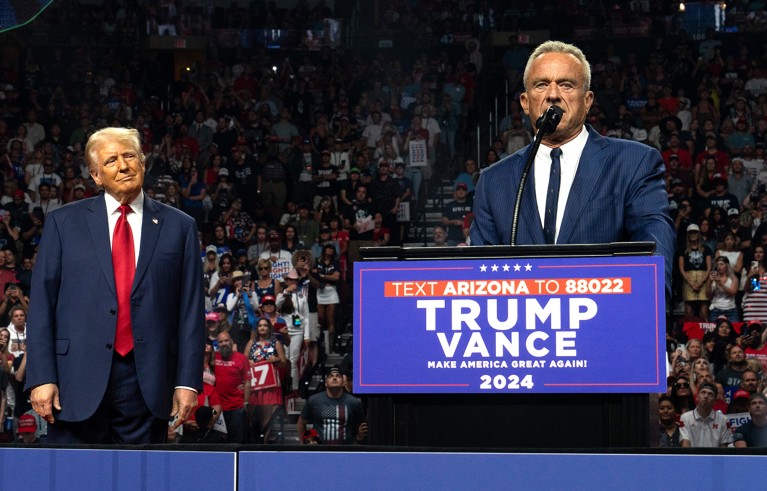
(571, 155)
(134, 219)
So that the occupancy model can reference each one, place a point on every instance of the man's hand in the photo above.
(184, 400)
(45, 398)
(746, 340)
(362, 432)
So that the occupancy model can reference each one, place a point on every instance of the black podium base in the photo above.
(556, 421)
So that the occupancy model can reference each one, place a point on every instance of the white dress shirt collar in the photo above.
(134, 219)
(571, 156)
(137, 205)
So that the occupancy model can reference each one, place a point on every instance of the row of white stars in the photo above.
(506, 267)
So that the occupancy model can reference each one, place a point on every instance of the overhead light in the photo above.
(681, 7)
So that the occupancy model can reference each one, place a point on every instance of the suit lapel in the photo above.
(150, 232)
(98, 226)
(530, 218)
(590, 169)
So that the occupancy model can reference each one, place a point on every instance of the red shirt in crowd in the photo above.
(208, 392)
(231, 374)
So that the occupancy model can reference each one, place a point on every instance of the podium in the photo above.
(523, 347)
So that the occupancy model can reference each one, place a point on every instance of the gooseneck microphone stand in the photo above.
(546, 125)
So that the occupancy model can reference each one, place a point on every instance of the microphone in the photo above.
(549, 120)
(546, 125)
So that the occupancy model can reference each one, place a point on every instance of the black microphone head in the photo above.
(556, 117)
(549, 120)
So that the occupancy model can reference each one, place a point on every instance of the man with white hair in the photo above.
(584, 188)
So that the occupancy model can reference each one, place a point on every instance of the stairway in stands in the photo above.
(421, 231)
(289, 431)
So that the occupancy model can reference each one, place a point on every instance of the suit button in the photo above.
(108, 346)
(112, 311)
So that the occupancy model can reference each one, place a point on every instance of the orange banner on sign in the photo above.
(501, 288)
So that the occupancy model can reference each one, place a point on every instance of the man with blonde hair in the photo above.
(116, 325)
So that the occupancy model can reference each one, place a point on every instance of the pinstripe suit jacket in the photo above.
(618, 195)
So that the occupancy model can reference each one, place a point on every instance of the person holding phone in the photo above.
(754, 303)
(721, 289)
(754, 340)
(239, 305)
(221, 280)
(294, 308)
(14, 296)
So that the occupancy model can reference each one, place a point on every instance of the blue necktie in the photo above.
(552, 196)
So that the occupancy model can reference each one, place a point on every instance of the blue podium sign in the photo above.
(544, 325)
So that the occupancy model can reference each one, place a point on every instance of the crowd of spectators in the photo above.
(704, 106)
(289, 161)
(292, 161)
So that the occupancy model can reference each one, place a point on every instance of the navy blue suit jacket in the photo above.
(618, 195)
(72, 319)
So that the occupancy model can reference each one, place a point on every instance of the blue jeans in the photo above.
(731, 314)
(415, 176)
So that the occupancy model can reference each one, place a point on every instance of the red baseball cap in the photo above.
(268, 299)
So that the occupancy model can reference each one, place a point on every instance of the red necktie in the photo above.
(124, 265)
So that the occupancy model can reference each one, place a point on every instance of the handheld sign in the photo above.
(263, 375)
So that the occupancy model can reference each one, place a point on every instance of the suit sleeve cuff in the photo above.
(187, 388)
